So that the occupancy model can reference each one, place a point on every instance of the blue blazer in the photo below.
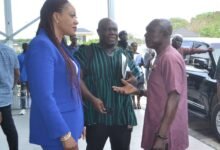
(56, 106)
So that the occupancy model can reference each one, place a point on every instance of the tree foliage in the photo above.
(90, 41)
(178, 23)
(206, 24)
(131, 39)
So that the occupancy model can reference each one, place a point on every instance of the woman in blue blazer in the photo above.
(56, 116)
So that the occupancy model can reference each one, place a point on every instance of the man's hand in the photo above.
(210, 49)
(127, 89)
(70, 144)
(0, 118)
(131, 78)
(159, 144)
(99, 105)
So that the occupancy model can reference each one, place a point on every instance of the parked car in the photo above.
(202, 85)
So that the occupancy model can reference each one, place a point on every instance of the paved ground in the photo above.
(23, 131)
(201, 130)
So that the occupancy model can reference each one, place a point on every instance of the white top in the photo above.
(77, 69)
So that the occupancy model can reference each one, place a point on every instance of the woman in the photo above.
(56, 117)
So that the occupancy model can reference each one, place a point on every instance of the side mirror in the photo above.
(200, 63)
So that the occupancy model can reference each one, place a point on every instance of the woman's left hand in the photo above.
(83, 136)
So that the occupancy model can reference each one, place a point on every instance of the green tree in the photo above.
(178, 23)
(91, 41)
(131, 38)
(207, 24)
(211, 31)
(21, 41)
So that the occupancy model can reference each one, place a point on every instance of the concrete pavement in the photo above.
(22, 124)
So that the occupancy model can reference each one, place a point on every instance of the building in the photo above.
(83, 35)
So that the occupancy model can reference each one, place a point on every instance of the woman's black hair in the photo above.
(46, 22)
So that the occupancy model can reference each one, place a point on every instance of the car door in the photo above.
(199, 80)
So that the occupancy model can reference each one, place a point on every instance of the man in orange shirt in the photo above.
(177, 42)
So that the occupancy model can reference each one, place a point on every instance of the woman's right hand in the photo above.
(70, 144)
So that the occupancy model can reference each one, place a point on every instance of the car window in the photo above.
(201, 45)
(187, 44)
(207, 61)
(204, 57)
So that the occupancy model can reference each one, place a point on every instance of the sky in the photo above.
(130, 15)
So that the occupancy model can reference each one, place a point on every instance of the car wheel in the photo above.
(215, 121)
